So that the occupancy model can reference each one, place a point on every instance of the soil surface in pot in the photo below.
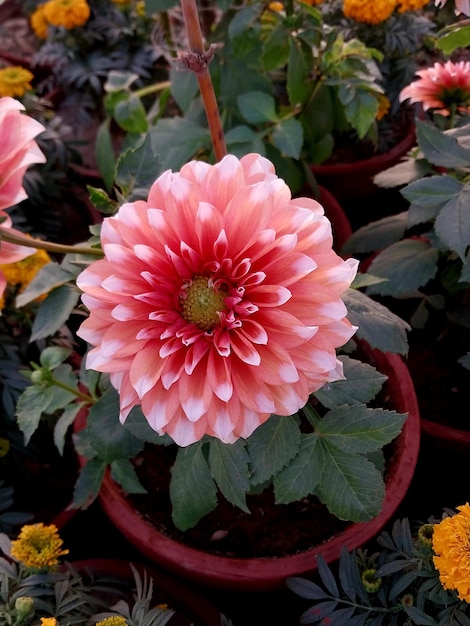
(441, 383)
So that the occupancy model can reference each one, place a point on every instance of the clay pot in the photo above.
(354, 179)
(267, 574)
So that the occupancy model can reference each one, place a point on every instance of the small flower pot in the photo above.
(268, 574)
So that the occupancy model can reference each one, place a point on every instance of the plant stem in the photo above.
(7, 235)
(197, 60)
(148, 89)
(76, 392)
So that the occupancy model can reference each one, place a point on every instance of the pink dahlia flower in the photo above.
(218, 302)
(440, 87)
(18, 150)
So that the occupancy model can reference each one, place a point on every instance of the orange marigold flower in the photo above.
(441, 87)
(39, 23)
(451, 546)
(38, 546)
(411, 5)
(384, 106)
(15, 81)
(367, 11)
(67, 13)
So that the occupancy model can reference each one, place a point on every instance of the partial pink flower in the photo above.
(218, 302)
(18, 150)
(440, 87)
(461, 6)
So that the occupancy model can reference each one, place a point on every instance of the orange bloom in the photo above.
(218, 302)
(451, 545)
(441, 87)
(67, 13)
(39, 23)
(15, 81)
(411, 5)
(367, 11)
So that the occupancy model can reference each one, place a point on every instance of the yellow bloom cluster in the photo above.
(65, 13)
(451, 546)
(49, 621)
(21, 273)
(112, 621)
(38, 546)
(367, 11)
(15, 81)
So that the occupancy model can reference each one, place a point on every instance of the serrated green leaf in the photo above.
(88, 484)
(32, 403)
(454, 36)
(276, 48)
(301, 476)
(257, 107)
(433, 191)
(299, 87)
(229, 468)
(54, 311)
(63, 424)
(288, 137)
(123, 473)
(406, 265)
(377, 235)
(137, 424)
(49, 277)
(184, 87)
(130, 115)
(272, 446)
(358, 429)
(351, 486)
(175, 141)
(361, 112)
(440, 148)
(53, 356)
(104, 155)
(362, 383)
(380, 327)
(193, 492)
(138, 168)
(109, 438)
(61, 397)
(452, 225)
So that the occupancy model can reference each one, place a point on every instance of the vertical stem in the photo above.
(197, 60)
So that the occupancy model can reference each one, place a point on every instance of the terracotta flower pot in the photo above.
(191, 607)
(265, 574)
(354, 179)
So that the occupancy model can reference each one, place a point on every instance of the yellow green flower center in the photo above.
(202, 303)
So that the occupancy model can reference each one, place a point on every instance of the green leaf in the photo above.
(32, 403)
(64, 422)
(454, 36)
(244, 19)
(88, 484)
(53, 356)
(351, 487)
(380, 327)
(361, 112)
(377, 235)
(104, 154)
(175, 141)
(276, 49)
(433, 192)
(299, 86)
(130, 114)
(358, 429)
(193, 492)
(440, 148)
(123, 473)
(119, 80)
(61, 397)
(257, 107)
(137, 424)
(54, 311)
(272, 446)
(362, 383)
(288, 137)
(404, 172)
(302, 475)
(184, 88)
(138, 168)
(452, 225)
(406, 265)
(49, 277)
(229, 468)
(110, 440)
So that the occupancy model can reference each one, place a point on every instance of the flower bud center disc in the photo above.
(202, 303)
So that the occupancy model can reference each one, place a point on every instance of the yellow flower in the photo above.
(384, 106)
(411, 5)
(15, 81)
(67, 13)
(38, 546)
(112, 621)
(4, 443)
(367, 11)
(451, 546)
(39, 23)
(22, 272)
(49, 621)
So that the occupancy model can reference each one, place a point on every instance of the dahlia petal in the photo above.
(219, 376)
(244, 349)
(145, 370)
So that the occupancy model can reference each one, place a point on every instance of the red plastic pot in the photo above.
(355, 179)
(267, 574)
